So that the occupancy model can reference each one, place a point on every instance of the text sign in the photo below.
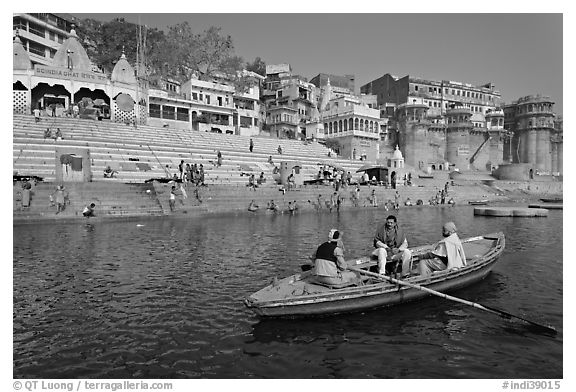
(69, 74)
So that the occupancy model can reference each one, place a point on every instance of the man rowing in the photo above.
(446, 254)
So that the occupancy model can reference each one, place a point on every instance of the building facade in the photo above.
(440, 124)
(42, 34)
(354, 126)
(288, 101)
(531, 120)
(70, 82)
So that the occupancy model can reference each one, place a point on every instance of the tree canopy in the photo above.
(180, 54)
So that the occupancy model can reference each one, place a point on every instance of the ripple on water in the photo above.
(110, 301)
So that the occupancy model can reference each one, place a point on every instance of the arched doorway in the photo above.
(49, 98)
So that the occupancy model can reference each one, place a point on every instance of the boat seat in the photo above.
(312, 279)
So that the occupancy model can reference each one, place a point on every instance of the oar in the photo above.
(446, 296)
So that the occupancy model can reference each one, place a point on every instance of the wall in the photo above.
(514, 171)
(86, 175)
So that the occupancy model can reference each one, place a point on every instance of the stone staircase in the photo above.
(111, 199)
(123, 147)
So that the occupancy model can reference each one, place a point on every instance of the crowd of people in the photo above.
(188, 173)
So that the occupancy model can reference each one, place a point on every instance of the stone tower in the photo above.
(413, 131)
(458, 128)
(534, 126)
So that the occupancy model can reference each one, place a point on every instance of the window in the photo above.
(194, 96)
(453, 92)
(52, 36)
(207, 99)
(429, 89)
(168, 112)
(154, 110)
(445, 91)
(182, 114)
(415, 88)
(201, 97)
(37, 30)
(36, 49)
(219, 101)
(280, 94)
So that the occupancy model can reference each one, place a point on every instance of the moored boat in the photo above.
(478, 202)
(301, 295)
(553, 199)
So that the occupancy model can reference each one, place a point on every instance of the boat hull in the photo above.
(377, 295)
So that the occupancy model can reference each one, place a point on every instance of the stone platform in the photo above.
(511, 211)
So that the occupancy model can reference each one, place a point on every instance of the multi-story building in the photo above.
(205, 106)
(288, 101)
(346, 82)
(420, 133)
(438, 95)
(531, 120)
(355, 125)
(42, 34)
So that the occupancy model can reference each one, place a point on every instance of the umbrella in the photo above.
(368, 167)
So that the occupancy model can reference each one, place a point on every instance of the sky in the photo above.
(521, 54)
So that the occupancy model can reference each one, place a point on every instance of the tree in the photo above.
(104, 42)
(257, 66)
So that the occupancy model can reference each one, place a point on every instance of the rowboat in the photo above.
(554, 199)
(478, 202)
(300, 295)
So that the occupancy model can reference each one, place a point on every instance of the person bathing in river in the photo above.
(391, 247)
(329, 264)
(446, 254)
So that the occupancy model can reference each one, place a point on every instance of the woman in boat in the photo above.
(329, 264)
(447, 253)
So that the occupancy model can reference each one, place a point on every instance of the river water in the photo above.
(162, 299)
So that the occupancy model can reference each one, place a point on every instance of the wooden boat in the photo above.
(555, 199)
(301, 295)
(478, 202)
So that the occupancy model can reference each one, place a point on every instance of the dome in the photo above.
(21, 58)
(397, 154)
(71, 54)
(123, 71)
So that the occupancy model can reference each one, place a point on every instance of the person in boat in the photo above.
(329, 264)
(391, 248)
(446, 254)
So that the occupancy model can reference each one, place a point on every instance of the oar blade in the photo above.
(548, 328)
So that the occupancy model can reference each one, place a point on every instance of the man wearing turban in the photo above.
(446, 254)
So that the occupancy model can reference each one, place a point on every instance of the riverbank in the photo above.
(128, 202)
